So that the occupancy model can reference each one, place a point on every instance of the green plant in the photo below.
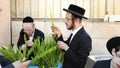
(10, 53)
(46, 53)
(54, 35)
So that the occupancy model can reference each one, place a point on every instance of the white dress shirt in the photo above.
(31, 37)
(74, 32)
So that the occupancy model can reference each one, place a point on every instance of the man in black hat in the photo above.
(113, 46)
(78, 45)
(30, 32)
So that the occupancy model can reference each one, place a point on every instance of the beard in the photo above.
(71, 26)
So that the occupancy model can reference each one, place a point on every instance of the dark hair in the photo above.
(117, 48)
(74, 17)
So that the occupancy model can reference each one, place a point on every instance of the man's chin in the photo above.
(29, 35)
(68, 28)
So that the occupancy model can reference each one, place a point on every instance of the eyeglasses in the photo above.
(67, 19)
(28, 30)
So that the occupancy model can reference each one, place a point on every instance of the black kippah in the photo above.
(28, 19)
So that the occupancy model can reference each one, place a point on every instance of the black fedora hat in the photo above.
(113, 43)
(28, 19)
(76, 10)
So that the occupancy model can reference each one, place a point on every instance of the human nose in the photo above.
(65, 21)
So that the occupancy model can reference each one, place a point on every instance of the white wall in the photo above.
(100, 32)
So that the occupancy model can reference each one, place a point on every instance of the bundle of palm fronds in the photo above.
(46, 53)
(14, 54)
(10, 53)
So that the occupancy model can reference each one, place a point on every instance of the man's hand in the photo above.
(116, 62)
(23, 46)
(29, 43)
(56, 30)
(115, 59)
(62, 45)
(18, 64)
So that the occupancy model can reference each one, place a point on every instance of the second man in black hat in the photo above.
(78, 46)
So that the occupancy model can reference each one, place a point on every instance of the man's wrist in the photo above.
(66, 48)
(23, 46)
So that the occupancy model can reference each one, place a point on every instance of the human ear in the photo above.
(113, 52)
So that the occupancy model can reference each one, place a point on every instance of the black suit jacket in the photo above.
(21, 41)
(102, 64)
(5, 63)
(37, 33)
(79, 49)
